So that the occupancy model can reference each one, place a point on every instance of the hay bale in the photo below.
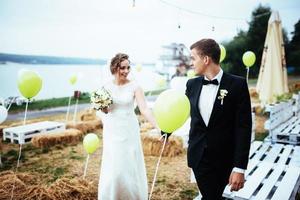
(36, 192)
(28, 186)
(152, 145)
(86, 126)
(145, 127)
(88, 115)
(69, 136)
(21, 182)
(76, 188)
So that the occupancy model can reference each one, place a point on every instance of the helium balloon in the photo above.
(73, 79)
(139, 68)
(223, 53)
(191, 73)
(91, 143)
(171, 110)
(29, 83)
(161, 82)
(249, 58)
(3, 114)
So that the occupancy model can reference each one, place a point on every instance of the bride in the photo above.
(123, 172)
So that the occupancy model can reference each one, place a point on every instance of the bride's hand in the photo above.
(105, 110)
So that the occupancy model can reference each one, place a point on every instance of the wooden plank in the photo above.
(273, 153)
(254, 180)
(261, 151)
(295, 157)
(270, 182)
(254, 146)
(286, 186)
(285, 154)
(34, 126)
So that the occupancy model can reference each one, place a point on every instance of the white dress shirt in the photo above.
(206, 102)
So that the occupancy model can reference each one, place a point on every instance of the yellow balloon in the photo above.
(29, 83)
(249, 58)
(73, 79)
(223, 53)
(161, 82)
(139, 68)
(91, 142)
(171, 110)
(191, 73)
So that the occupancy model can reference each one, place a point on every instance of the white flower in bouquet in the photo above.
(101, 99)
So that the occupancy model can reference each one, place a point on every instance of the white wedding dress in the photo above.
(123, 172)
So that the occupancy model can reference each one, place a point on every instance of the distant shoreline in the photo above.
(37, 59)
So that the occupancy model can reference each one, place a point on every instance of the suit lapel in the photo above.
(217, 108)
(196, 103)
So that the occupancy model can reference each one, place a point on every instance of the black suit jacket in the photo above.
(226, 139)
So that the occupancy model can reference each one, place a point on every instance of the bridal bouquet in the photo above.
(101, 99)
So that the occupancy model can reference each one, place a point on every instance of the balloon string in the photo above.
(25, 115)
(75, 112)
(10, 103)
(68, 109)
(157, 165)
(20, 151)
(18, 163)
(247, 74)
(86, 165)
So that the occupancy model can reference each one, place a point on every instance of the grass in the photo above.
(50, 103)
(63, 101)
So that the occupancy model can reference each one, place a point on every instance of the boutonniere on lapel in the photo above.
(222, 95)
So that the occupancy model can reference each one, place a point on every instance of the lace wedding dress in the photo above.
(123, 172)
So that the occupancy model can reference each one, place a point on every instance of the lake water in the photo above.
(56, 78)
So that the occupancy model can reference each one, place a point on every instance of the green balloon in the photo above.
(29, 83)
(223, 53)
(73, 79)
(91, 142)
(249, 58)
(191, 73)
(171, 110)
(161, 82)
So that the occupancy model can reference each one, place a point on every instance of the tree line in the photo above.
(253, 40)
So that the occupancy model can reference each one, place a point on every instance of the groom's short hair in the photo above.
(208, 47)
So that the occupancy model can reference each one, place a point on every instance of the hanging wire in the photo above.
(207, 15)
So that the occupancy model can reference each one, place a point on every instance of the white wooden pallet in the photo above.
(284, 122)
(296, 97)
(287, 133)
(272, 174)
(24, 133)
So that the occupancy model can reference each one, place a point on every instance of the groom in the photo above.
(220, 134)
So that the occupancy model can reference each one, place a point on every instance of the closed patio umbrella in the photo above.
(272, 78)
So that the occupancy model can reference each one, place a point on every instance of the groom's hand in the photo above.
(163, 133)
(236, 181)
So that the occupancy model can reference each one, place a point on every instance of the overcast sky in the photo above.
(99, 29)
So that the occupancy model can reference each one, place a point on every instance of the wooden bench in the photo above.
(296, 110)
(24, 133)
(284, 122)
(273, 173)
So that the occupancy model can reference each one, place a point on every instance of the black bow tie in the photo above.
(206, 82)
